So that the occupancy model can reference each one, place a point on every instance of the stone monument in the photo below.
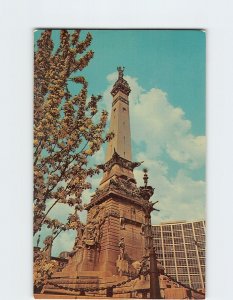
(113, 242)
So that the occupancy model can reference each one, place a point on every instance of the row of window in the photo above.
(198, 241)
(167, 236)
(180, 247)
(185, 279)
(180, 254)
(178, 227)
(184, 262)
(191, 254)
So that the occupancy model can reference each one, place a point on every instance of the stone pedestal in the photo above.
(112, 245)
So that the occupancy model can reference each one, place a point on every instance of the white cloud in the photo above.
(163, 127)
(180, 198)
(64, 242)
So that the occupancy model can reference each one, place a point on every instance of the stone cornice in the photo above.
(117, 159)
(120, 99)
(118, 195)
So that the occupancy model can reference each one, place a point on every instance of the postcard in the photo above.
(119, 164)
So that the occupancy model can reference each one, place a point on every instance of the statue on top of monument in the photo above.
(120, 72)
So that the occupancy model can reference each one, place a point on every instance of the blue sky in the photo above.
(166, 73)
(172, 60)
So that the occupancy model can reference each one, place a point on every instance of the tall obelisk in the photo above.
(120, 145)
(120, 122)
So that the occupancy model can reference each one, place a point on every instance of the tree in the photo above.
(68, 129)
(42, 271)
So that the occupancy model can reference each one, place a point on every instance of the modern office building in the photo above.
(180, 247)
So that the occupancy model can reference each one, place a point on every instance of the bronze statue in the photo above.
(120, 72)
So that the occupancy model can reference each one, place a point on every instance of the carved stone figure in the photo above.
(78, 239)
(143, 227)
(122, 222)
(122, 248)
(92, 232)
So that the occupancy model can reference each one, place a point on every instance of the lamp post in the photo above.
(146, 193)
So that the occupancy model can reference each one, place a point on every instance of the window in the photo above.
(201, 253)
(176, 227)
(170, 270)
(167, 234)
(192, 262)
(169, 262)
(168, 248)
(177, 233)
(157, 234)
(168, 254)
(199, 231)
(187, 226)
(181, 262)
(179, 247)
(188, 233)
(191, 254)
(202, 261)
(167, 241)
(203, 270)
(200, 238)
(189, 240)
(178, 241)
(183, 278)
(180, 254)
(156, 229)
(194, 270)
(166, 228)
(158, 248)
(198, 225)
(195, 278)
(190, 246)
(160, 255)
(203, 278)
(182, 270)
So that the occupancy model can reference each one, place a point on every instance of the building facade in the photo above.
(180, 247)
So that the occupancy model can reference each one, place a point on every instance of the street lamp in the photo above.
(146, 193)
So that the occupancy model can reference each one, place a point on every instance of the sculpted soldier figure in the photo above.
(122, 248)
